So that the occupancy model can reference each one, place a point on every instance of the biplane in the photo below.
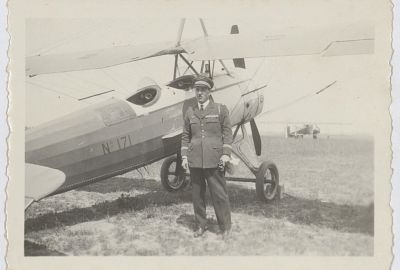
(118, 135)
(299, 131)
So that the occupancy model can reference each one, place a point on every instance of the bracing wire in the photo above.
(77, 83)
(122, 87)
(292, 102)
(67, 40)
(255, 73)
(61, 43)
(249, 83)
(101, 87)
(51, 90)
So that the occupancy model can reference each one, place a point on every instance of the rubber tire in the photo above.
(267, 165)
(164, 175)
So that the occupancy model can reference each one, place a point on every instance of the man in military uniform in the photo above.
(206, 147)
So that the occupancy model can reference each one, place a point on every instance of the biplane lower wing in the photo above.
(40, 181)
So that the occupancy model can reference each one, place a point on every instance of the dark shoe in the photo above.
(199, 232)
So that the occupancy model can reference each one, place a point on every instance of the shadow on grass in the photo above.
(122, 184)
(346, 218)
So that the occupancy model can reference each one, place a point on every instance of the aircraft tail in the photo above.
(238, 62)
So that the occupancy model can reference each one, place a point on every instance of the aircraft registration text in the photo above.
(116, 144)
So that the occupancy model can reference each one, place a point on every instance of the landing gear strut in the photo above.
(173, 176)
(266, 173)
(267, 182)
(267, 179)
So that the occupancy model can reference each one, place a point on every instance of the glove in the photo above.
(224, 159)
(185, 164)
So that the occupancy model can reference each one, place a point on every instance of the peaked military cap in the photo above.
(203, 81)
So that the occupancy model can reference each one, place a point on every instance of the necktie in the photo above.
(202, 107)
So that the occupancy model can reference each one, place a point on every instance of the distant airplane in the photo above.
(298, 131)
(111, 137)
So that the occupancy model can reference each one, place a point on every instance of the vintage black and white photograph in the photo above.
(222, 135)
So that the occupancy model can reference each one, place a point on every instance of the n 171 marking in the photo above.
(116, 144)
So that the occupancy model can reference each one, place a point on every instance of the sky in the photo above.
(288, 78)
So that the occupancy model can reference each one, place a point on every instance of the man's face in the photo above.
(202, 93)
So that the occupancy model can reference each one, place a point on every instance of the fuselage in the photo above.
(115, 136)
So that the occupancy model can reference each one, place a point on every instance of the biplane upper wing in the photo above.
(349, 40)
(40, 181)
(339, 41)
(96, 59)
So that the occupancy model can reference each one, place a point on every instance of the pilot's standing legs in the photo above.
(199, 197)
(219, 196)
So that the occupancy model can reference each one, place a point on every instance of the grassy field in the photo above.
(327, 209)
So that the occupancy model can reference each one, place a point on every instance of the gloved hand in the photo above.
(185, 163)
(224, 159)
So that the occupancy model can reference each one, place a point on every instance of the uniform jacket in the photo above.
(207, 135)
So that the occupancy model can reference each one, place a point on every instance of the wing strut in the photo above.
(180, 31)
(178, 43)
(203, 26)
(189, 64)
(175, 65)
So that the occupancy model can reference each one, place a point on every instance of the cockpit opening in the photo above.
(184, 82)
(146, 95)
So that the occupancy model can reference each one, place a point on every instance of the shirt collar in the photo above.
(205, 104)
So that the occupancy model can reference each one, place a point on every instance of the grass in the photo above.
(349, 218)
(167, 230)
(327, 210)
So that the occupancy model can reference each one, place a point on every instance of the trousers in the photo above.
(219, 196)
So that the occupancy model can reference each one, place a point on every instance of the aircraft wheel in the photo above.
(267, 182)
(169, 179)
